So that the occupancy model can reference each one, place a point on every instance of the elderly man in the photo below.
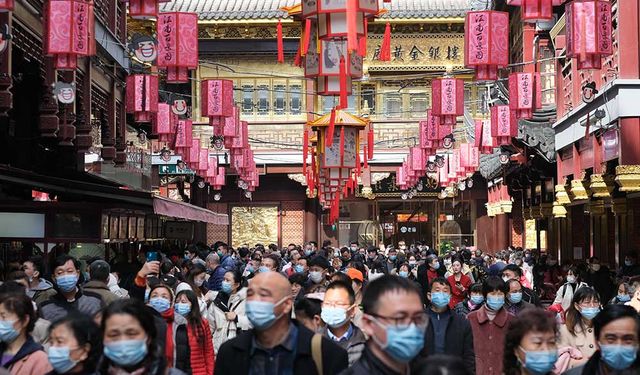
(395, 322)
(216, 272)
(276, 345)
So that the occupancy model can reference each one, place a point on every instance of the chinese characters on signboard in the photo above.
(418, 51)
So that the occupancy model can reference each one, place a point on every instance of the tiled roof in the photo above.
(214, 10)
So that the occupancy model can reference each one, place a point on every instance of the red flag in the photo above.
(366, 162)
(385, 48)
(370, 142)
(305, 38)
(280, 43)
(352, 21)
(362, 48)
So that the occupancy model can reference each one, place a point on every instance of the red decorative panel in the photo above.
(292, 223)
(217, 232)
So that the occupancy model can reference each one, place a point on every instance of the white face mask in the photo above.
(571, 279)
(315, 276)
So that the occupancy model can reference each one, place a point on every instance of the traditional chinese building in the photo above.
(276, 100)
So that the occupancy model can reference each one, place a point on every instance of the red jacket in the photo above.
(488, 339)
(458, 296)
(202, 356)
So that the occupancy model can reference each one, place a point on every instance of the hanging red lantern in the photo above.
(504, 125)
(435, 131)
(312, 8)
(589, 32)
(448, 99)
(162, 122)
(524, 94)
(217, 101)
(331, 85)
(484, 139)
(183, 137)
(144, 9)
(178, 44)
(142, 96)
(536, 10)
(69, 31)
(486, 36)
(6, 5)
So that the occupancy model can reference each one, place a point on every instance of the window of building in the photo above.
(247, 99)
(368, 99)
(279, 99)
(295, 102)
(418, 104)
(393, 105)
(263, 99)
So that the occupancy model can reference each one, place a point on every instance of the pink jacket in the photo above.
(565, 355)
(36, 363)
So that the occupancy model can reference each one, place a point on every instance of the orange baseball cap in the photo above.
(354, 274)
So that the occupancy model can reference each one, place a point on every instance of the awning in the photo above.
(181, 210)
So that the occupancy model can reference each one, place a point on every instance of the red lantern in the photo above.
(484, 139)
(486, 37)
(504, 125)
(524, 94)
(435, 131)
(331, 85)
(144, 9)
(6, 5)
(178, 44)
(69, 31)
(448, 99)
(142, 96)
(589, 32)
(217, 100)
(162, 122)
(536, 10)
(184, 135)
(203, 161)
(327, 62)
(311, 8)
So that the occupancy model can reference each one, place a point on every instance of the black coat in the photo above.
(368, 364)
(594, 367)
(423, 279)
(233, 355)
(458, 341)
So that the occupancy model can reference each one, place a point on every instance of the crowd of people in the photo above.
(320, 310)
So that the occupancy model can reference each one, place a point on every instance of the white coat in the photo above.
(222, 329)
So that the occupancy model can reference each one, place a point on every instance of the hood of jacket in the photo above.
(43, 285)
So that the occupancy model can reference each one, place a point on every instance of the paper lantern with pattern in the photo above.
(142, 96)
(177, 44)
(447, 99)
(486, 36)
(68, 31)
(589, 32)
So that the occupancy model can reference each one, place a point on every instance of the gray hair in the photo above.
(213, 258)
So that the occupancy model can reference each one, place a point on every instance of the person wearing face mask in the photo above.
(629, 270)
(307, 311)
(338, 311)
(429, 270)
(276, 342)
(392, 260)
(489, 324)
(514, 302)
(38, 289)
(357, 284)
(195, 282)
(290, 268)
(625, 292)
(513, 272)
(394, 322)
(458, 282)
(200, 344)
(216, 272)
(473, 302)
(530, 344)
(599, 278)
(573, 282)
(20, 353)
(447, 333)
(318, 271)
(70, 296)
(227, 313)
(130, 342)
(75, 345)
(577, 332)
(617, 331)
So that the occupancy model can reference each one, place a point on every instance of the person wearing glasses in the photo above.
(395, 322)
(577, 332)
(338, 310)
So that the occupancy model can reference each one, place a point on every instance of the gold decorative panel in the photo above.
(254, 224)
(531, 234)
(417, 52)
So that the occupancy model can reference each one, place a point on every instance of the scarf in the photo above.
(168, 317)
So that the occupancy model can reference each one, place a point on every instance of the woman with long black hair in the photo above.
(227, 314)
(201, 355)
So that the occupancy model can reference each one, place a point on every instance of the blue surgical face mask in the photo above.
(226, 287)
(249, 268)
(515, 298)
(264, 269)
(7, 332)
(495, 303)
(540, 362)
(476, 300)
(308, 252)
(182, 308)
(59, 357)
(404, 274)
(299, 268)
(589, 312)
(160, 304)
(619, 357)
(334, 316)
(261, 313)
(393, 257)
(126, 353)
(67, 283)
(440, 299)
(403, 342)
(436, 266)
(624, 298)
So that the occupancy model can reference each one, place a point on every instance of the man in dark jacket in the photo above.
(216, 272)
(99, 272)
(513, 272)
(429, 270)
(276, 345)
(447, 333)
(395, 322)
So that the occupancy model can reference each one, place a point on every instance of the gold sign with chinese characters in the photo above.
(417, 52)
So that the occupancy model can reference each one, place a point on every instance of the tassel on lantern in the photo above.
(342, 145)
(305, 38)
(385, 48)
(305, 150)
(344, 103)
(358, 167)
(280, 43)
(366, 162)
(331, 130)
(370, 142)
(352, 21)
(297, 61)
(362, 47)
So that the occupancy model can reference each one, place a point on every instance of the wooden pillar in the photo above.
(199, 197)
(83, 115)
(311, 220)
(502, 232)
(67, 129)
(48, 123)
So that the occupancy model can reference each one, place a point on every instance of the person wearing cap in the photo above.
(338, 311)
(318, 271)
(99, 277)
(357, 281)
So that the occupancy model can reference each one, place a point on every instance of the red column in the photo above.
(629, 141)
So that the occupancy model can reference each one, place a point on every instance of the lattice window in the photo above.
(393, 105)
(26, 42)
(99, 100)
(101, 10)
